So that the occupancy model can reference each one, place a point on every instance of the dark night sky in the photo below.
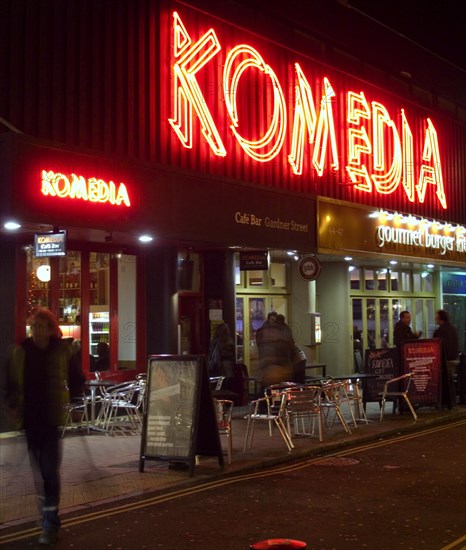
(439, 26)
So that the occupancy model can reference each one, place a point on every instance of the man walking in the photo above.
(37, 392)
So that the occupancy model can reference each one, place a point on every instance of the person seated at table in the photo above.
(102, 362)
(77, 352)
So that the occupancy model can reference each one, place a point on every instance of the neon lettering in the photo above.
(187, 94)
(378, 159)
(321, 130)
(431, 174)
(77, 187)
(245, 57)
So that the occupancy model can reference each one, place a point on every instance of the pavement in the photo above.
(99, 467)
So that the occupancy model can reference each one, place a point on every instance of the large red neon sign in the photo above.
(380, 156)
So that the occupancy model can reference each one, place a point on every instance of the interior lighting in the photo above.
(430, 266)
(393, 262)
(291, 252)
(424, 274)
(348, 258)
(43, 273)
(146, 239)
(11, 225)
(351, 268)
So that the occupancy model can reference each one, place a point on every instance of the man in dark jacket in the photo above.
(449, 337)
(402, 330)
(37, 393)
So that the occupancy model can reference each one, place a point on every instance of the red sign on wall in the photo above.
(309, 122)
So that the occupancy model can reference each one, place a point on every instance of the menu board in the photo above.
(383, 363)
(424, 359)
(179, 420)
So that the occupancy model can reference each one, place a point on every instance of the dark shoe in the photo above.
(48, 537)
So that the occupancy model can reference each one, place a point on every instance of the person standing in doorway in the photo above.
(37, 392)
(450, 350)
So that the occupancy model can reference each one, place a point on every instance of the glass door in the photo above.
(251, 313)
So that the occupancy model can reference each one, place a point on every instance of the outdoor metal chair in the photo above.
(126, 398)
(79, 406)
(400, 381)
(274, 415)
(332, 394)
(223, 411)
(304, 407)
(353, 398)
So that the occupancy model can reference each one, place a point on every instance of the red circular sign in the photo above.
(309, 268)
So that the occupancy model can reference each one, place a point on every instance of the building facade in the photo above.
(221, 134)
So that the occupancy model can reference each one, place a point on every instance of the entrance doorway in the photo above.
(251, 313)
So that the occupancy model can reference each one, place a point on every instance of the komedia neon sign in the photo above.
(77, 187)
(369, 167)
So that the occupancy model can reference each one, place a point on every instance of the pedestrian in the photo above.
(37, 392)
(402, 330)
(221, 357)
(450, 351)
(276, 350)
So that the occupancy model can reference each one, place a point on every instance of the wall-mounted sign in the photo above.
(77, 187)
(50, 244)
(357, 229)
(309, 268)
(254, 260)
(454, 283)
(379, 153)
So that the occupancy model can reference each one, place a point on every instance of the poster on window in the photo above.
(424, 359)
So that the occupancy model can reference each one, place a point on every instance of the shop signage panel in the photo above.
(453, 283)
(50, 244)
(254, 260)
(309, 268)
(173, 204)
(424, 359)
(357, 229)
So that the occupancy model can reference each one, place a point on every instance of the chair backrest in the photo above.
(304, 400)
(333, 393)
(216, 382)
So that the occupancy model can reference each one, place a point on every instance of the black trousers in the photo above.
(44, 446)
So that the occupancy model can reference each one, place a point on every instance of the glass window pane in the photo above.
(416, 282)
(99, 314)
(355, 278)
(370, 322)
(37, 281)
(418, 320)
(369, 278)
(384, 323)
(406, 282)
(430, 318)
(239, 330)
(382, 279)
(278, 275)
(428, 282)
(394, 281)
(69, 297)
